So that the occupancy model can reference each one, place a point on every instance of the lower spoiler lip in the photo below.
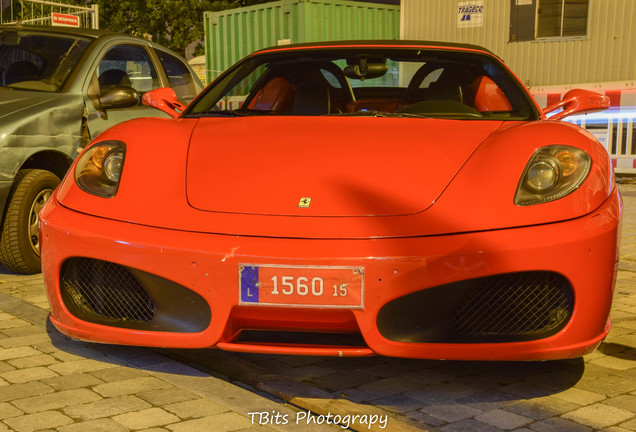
(296, 349)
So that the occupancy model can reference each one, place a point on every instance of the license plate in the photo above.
(301, 286)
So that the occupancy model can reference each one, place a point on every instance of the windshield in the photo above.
(368, 81)
(38, 61)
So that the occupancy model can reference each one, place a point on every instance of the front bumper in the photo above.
(192, 280)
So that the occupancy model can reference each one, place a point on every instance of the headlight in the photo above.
(552, 173)
(99, 168)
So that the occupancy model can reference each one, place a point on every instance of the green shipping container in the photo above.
(232, 34)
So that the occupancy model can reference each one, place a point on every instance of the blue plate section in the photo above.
(249, 279)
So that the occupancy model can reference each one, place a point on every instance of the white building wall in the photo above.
(607, 54)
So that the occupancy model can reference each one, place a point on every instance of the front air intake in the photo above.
(520, 304)
(114, 295)
(93, 289)
(510, 307)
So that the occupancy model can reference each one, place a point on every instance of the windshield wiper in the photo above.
(218, 113)
(375, 113)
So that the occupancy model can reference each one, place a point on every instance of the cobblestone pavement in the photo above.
(49, 382)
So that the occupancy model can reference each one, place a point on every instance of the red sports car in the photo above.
(409, 195)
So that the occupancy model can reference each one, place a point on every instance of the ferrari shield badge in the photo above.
(304, 202)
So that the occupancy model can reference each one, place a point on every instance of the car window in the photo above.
(37, 61)
(179, 77)
(127, 65)
(232, 91)
(384, 81)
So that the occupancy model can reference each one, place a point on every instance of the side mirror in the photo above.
(164, 99)
(578, 101)
(118, 97)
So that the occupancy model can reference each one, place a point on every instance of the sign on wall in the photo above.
(64, 20)
(470, 14)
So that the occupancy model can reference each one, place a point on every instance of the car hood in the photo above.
(254, 159)
(336, 166)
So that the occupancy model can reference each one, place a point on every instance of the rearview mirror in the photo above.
(363, 68)
(578, 101)
(118, 97)
(164, 99)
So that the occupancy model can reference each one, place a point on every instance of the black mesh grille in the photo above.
(100, 290)
(521, 304)
(510, 307)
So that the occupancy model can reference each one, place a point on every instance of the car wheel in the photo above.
(20, 241)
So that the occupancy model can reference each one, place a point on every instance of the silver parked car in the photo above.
(60, 88)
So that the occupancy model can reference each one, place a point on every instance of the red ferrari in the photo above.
(411, 196)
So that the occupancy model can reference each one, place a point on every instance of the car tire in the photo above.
(20, 240)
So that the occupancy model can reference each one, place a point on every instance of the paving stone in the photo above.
(133, 356)
(219, 423)
(617, 429)
(386, 370)
(614, 363)
(107, 407)
(78, 380)
(17, 352)
(421, 420)
(100, 425)
(5, 366)
(609, 384)
(451, 412)
(630, 425)
(558, 425)
(20, 391)
(38, 421)
(166, 396)
(69, 350)
(32, 361)
(542, 408)
(119, 373)
(298, 361)
(337, 381)
(440, 393)
(389, 386)
(13, 323)
(55, 400)
(626, 402)
(26, 375)
(430, 376)
(487, 400)
(399, 403)
(154, 429)
(130, 386)
(305, 373)
(195, 408)
(631, 323)
(26, 340)
(358, 396)
(7, 410)
(599, 416)
(579, 396)
(468, 425)
(526, 390)
(503, 419)
(150, 417)
(77, 366)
